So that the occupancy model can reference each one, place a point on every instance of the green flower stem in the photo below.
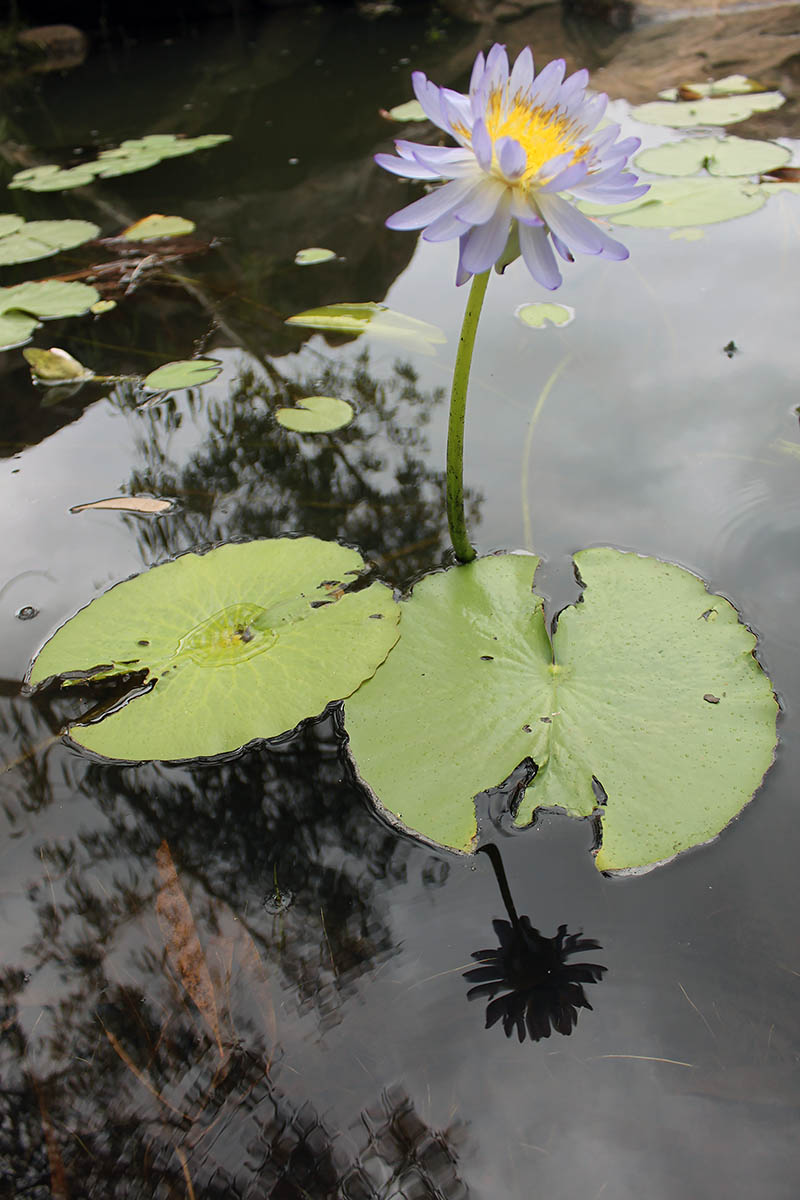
(456, 518)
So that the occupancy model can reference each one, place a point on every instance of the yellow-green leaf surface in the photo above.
(55, 366)
(412, 110)
(541, 314)
(23, 307)
(374, 319)
(671, 203)
(312, 255)
(651, 689)
(710, 110)
(184, 373)
(235, 645)
(156, 225)
(27, 241)
(316, 414)
(720, 156)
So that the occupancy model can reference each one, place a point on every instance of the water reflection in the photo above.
(530, 985)
(369, 485)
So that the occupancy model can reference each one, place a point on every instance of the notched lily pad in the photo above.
(720, 156)
(238, 644)
(375, 319)
(709, 110)
(541, 314)
(316, 414)
(24, 306)
(618, 699)
(671, 203)
(184, 373)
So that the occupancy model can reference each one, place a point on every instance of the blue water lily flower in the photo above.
(524, 141)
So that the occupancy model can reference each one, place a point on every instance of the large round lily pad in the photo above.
(675, 203)
(23, 306)
(720, 156)
(650, 688)
(238, 644)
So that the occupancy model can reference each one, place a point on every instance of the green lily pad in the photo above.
(720, 156)
(23, 306)
(185, 373)
(55, 366)
(316, 414)
(650, 696)
(541, 314)
(313, 255)
(10, 223)
(674, 202)
(710, 110)
(158, 226)
(135, 154)
(375, 319)
(235, 645)
(32, 240)
(51, 178)
(412, 110)
(731, 85)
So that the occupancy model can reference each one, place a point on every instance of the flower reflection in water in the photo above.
(530, 985)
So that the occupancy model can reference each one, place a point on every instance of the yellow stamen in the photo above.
(542, 133)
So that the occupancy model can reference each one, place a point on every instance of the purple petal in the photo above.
(428, 95)
(572, 175)
(435, 204)
(477, 73)
(497, 66)
(572, 87)
(401, 166)
(480, 205)
(511, 157)
(484, 244)
(444, 229)
(563, 250)
(521, 73)
(572, 227)
(457, 110)
(548, 82)
(522, 211)
(482, 145)
(462, 274)
(538, 256)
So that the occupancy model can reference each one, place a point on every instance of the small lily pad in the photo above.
(225, 648)
(28, 241)
(710, 110)
(674, 202)
(51, 178)
(135, 154)
(103, 306)
(375, 319)
(731, 85)
(23, 307)
(158, 226)
(316, 414)
(720, 156)
(184, 373)
(474, 689)
(540, 314)
(146, 505)
(313, 255)
(55, 366)
(412, 110)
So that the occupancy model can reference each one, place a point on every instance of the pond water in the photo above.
(331, 1051)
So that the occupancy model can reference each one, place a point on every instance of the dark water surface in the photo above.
(340, 1057)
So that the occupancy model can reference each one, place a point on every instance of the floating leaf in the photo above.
(313, 255)
(375, 319)
(731, 85)
(39, 239)
(134, 504)
(103, 306)
(473, 690)
(185, 373)
(720, 156)
(182, 944)
(158, 226)
(412, 110)
(710, 110)
(56, 366)
(675, 202)
(10, 223)
(316, 414)
(540, 314)
(22, 307)
(238, 644)
(135, 154)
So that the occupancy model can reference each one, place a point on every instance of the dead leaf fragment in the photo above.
(184, 951)
(135, 504)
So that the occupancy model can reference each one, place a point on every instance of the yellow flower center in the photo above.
(542, 133)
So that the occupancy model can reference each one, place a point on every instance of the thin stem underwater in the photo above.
(456, 518)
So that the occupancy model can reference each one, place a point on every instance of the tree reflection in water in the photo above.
(530, 985)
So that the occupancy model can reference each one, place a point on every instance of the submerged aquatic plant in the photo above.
(530, 985)
(525, 140)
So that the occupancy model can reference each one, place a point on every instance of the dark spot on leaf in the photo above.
(128, 662)
(376, 616)
(546, 720)
(143, 642)
(711, 699)
(487, 658)
(331, 583)
(601, 795)
(527, 729)
(246, 635)
(319, 603)
(708, 613)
